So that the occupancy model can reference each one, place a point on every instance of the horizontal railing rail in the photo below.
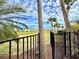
(16, 38)
(32, 46)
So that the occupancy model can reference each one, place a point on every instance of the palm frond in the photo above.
(10, 9)
(52, 19)
(7, 32)
(1, 23)
(19, 23)
(2, 2)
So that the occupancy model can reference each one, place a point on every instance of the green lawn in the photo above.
(4, 47)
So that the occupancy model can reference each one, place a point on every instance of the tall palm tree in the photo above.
(51, 20)
(40, 22)
(65, 11)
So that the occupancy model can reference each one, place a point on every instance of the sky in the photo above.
(50, 8)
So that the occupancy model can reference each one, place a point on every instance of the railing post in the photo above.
(65, 43)
(52, 42)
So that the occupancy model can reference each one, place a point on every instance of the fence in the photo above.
(71, 44)
(67, 46)
(31, 43)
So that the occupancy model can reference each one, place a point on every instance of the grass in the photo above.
(4, 47)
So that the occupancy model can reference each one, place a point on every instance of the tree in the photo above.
(6, 29)
(51, 20)
(7, 32)
(6, 8)
(41, 33)
(2, 2)
(65, 11)
(62, 27)
(57, 26)
(69, 3)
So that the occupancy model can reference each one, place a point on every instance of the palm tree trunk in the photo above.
(40, 22)
(65, 15)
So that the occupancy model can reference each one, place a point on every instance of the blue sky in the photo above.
(50, 9)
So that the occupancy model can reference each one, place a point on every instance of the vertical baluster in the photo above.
(70, 45)
(78, 41)
(27, 49)
(65, 43)
(30, 48)
(17, 48)
(74, 41)
(33, 47)
(23, 48)
(9, 49)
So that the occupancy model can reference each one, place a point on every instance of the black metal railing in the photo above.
(30, 45)
(71, 46)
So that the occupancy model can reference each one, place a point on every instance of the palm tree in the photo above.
(65, 11)
(6, 29)
(40, 22)
(51, 20)
(7, 32)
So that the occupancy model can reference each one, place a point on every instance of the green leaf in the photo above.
(2, 2)
(69, 1)
(13, 9)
